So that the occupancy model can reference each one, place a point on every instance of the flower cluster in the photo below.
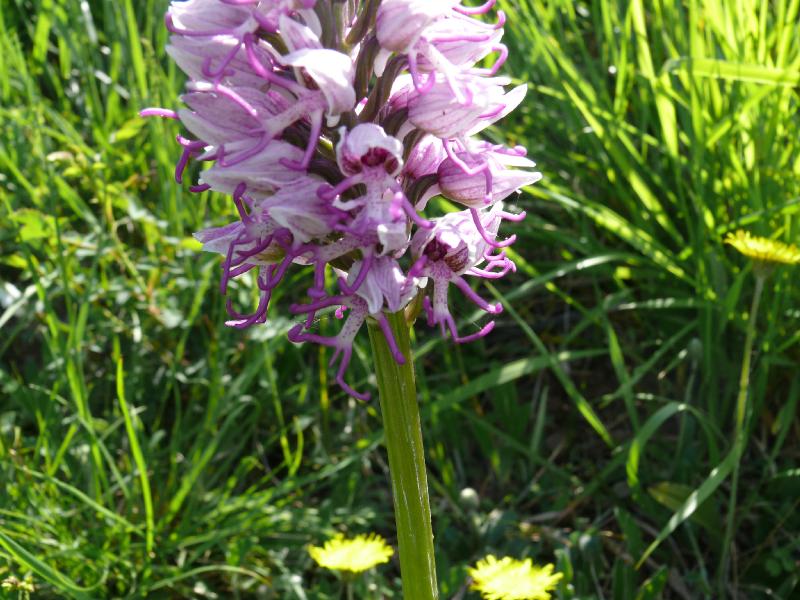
(331, 124)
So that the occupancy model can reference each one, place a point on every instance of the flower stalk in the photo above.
(740, 424)
(401, 422)
(765, 254)
(332, 126)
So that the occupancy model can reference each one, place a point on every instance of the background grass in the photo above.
(148, 451)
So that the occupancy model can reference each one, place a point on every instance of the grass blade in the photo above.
(138, 458)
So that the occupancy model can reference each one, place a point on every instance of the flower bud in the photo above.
(425, 158)
(400, 22)
(487, 178)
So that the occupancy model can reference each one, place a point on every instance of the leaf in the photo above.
(138, 459)
(129, 129)
(646, 432)
(652, 588)
(33, 225)
(508, 372)
(25, 558)
(630, 531)
(616, 224)
(664, 104)
(41, 35)
(672, 495)
(734, 71)
(623, 580)
(694, 500)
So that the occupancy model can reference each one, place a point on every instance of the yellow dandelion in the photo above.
(763, 250)
(511, 579)
(353, 555)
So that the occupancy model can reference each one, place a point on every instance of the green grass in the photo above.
(678, 124)
(146, 450)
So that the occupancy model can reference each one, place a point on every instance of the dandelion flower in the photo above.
(763, 250)
(511, 579)
(354, 555)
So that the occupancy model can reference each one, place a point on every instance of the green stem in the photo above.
(740, 439)
(401, 423)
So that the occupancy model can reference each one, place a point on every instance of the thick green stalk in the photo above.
(739, 439)
(401, 423)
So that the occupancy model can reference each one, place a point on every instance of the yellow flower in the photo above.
(763, 250)
(354, 555)
(20, 585)
(511, 579)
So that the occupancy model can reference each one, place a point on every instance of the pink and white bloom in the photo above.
(262, 173)
(440, 112)
(486, 175)
(331, 134)
(452, 249)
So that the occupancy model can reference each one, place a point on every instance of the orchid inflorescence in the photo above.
(332, 123)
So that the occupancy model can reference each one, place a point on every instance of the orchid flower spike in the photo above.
(332, 132)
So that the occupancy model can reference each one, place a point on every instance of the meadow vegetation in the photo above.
(147, 450)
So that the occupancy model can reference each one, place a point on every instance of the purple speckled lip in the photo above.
(330, 131)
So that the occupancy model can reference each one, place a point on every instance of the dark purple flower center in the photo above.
(458, 259)
(436, 250)
(374, 157)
